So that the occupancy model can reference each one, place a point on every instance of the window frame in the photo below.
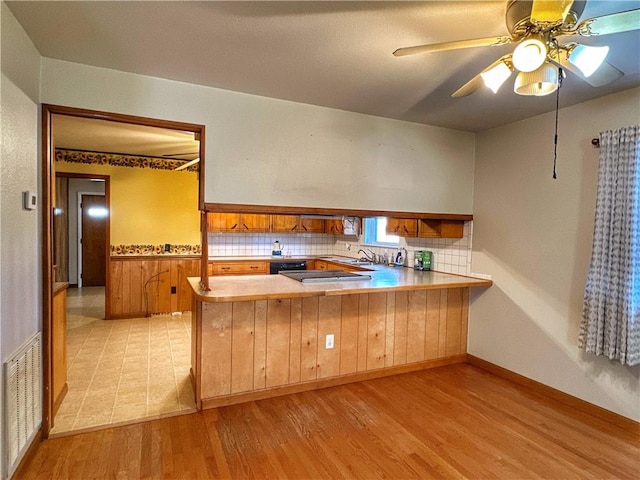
(371, 228)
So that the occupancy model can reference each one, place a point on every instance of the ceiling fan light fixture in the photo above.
(540, 82)
(494, 77)
(530, 54)
(587, 58)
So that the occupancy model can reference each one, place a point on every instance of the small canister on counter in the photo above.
(427, 257)
(417, 260)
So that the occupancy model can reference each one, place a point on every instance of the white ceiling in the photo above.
(334, 54)
(105, 136)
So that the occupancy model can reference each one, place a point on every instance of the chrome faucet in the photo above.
(369, 255)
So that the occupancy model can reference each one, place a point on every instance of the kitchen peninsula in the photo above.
(257, 336)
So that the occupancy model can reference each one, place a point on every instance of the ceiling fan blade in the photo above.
(468, 88)
(476, 82)
(179, 154)
(439, 47)
(186, 165)
(614, 23)
(547, 12)
(605, 74)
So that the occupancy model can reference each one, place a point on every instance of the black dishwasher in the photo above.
(276, 267)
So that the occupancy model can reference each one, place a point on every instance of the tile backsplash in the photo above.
(451, 255)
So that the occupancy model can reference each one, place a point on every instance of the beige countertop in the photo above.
(383, 279)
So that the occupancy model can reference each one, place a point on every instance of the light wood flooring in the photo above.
(450, 422)
(122, 370)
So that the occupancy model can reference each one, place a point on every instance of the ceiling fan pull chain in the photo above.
(555, 140)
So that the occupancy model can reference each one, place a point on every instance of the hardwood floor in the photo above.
(451, 422)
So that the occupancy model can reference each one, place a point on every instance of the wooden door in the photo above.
(94, 240)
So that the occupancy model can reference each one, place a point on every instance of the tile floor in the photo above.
(122, 370)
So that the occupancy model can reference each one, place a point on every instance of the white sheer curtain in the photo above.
(611, 311)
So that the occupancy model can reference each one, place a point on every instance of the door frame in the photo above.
(107, 199)
(48, 180)
(80, 259)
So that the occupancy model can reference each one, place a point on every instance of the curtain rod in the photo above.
(595, 142)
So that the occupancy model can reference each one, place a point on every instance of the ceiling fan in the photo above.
(537, 27)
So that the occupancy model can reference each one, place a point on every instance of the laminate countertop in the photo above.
(237, 288)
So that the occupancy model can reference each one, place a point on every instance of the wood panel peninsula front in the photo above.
(258, 336)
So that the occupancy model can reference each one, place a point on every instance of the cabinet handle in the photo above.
(254, 267)
(245, 226)
(405, 229)
(226, 268)
(234, 226)
(294, 227)
(305, 228)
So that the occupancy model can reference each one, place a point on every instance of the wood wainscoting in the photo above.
(256, 349)
(141, 286)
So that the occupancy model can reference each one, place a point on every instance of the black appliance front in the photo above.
(279, 266)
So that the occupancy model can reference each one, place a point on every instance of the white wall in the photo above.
(533, 234)
(272, 152)
(20, 293)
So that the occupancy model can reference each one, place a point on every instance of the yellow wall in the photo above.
(148, 206)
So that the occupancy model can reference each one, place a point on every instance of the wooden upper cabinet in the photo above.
(403, 227)
(311, 225)
(334, 227)
(237, 223)
(254, 223)
(440, 228)
(296, 224)
(223, 222)
(285, 223)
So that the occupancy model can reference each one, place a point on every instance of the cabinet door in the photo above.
(254, 223)
(285, 223)
(334, 227)
(320, 265)
(452, 229)
(224, 222)
(403, 227)
(441, 228)
(311, 225)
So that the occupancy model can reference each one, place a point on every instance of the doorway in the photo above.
(48, 199)
(92, 243)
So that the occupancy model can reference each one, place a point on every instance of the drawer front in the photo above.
(239, 268)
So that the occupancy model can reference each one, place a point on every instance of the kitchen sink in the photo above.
(358, 262)
(349, 261)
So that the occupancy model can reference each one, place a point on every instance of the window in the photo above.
(375, 233)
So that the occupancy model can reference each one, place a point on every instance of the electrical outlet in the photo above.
(329, 341)
(174, 289)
